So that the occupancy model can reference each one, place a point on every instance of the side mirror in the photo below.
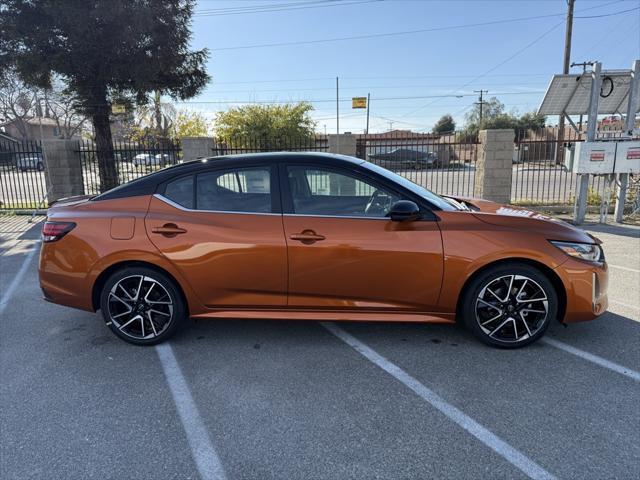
(404, 211)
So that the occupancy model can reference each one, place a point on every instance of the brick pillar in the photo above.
(494, 166)
(63, 175)
(345, 144)
(197, 147)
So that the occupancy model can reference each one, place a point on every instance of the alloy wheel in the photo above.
(511, 308)
(140, 307)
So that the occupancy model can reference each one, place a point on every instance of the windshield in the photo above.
(428, 195)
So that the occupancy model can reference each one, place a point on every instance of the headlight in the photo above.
(585, 251)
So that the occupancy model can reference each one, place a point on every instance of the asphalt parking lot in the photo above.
(294, 400)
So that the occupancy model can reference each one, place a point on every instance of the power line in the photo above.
(388, 34)
(361, 87)
(323, 100)
(407, 32)
(609, 14)
(388, 77)
(282, 8)
(495, 67)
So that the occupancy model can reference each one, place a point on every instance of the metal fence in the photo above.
(22, 175)
(444, 164)
(539, 174)
(253, 144)
(132, 160)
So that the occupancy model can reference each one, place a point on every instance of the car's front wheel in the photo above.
(141, 306)
(509, 305)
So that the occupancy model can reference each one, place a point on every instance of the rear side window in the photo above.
(180, 191)
(246, 190)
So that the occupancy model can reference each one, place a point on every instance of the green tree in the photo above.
(494, 116)
(189, 124)
(444, 125)
(103, 50)
(490, 109)
(266, 126)
(532, 120)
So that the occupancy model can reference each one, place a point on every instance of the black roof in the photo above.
(148, 184)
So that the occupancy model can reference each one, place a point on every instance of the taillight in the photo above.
(53, 231)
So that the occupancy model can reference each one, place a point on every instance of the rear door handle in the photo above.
(169, 230)
(307, 237)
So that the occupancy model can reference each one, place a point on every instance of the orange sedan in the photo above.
(313, 237)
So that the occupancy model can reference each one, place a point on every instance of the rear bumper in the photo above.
(61, 286)
(586, 287)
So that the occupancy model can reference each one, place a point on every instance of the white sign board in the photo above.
(596, 158)
(628, 157)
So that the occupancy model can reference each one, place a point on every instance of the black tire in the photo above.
(152, 307)
(517, 311)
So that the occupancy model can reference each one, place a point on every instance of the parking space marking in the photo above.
(620, 267)
(627, 305)
(590, 357)
(205, 456)
(491, 440)
(6, 296)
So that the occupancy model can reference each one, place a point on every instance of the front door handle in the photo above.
(169, 230)
(307, 237)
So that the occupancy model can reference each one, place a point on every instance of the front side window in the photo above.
(320, 191)
(238, 190)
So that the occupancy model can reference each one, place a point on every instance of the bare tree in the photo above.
(61, 108)
(17, 102)
(155, 119)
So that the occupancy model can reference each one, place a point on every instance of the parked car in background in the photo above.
(148, 159)
(30, 162)
(161, 159)
(141, 159)
(406, 157)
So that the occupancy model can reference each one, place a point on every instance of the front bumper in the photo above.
(586, 287)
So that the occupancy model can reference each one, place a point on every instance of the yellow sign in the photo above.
(359, 102)
(117, 108)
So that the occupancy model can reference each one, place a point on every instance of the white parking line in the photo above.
(590, 357)
(205, 456)
(8, 293)
(620, 267)
(506, 451)
(627, 305)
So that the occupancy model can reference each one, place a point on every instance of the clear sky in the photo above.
(513, 57)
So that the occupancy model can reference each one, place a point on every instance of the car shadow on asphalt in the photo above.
(611, 336)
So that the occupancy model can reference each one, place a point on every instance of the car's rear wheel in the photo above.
(509, 305)
(142, 306)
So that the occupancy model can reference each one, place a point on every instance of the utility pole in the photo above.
(565, 70)
(368, 104)
(584, 70)
(337, 107)
(481, 103)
